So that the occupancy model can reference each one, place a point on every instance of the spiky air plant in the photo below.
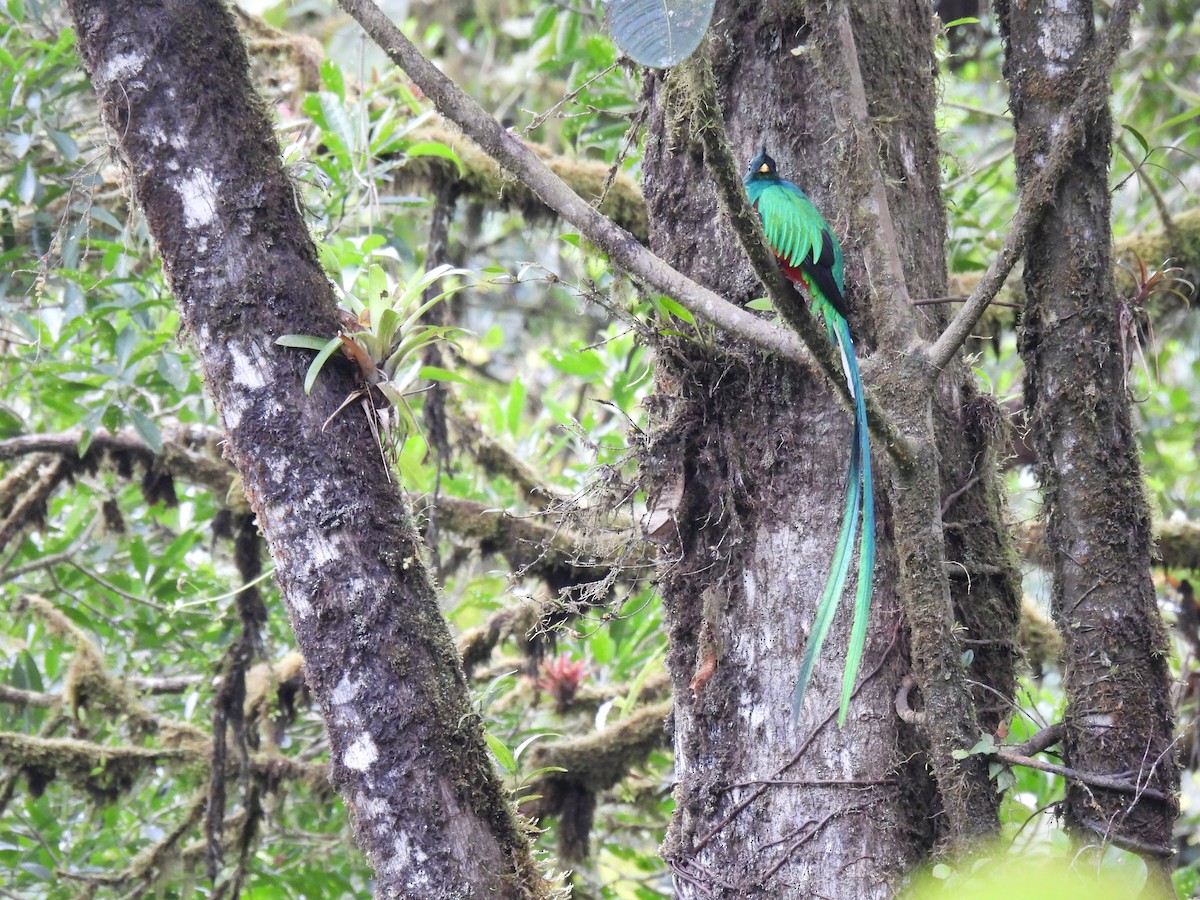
(384, 337)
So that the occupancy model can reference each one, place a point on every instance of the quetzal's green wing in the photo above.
(803, 240)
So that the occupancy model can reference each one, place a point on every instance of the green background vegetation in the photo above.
(121, 575)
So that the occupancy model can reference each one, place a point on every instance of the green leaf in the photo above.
(433, 148)
(676, 309)
(528, 742)
(171, 370)
(319, 361)
(762, 303)
(985, 745)
(126, 342)
(544, 20)
(1181, 118)
(302, 341)
(378, 290)
(147, 430)
(27, 184)
(544, 770)
(516, 405)
(339, 130)
(333, 79)
(434, 373)
(1137, 136)
(501, 752)
(658, 33)
(25, 673)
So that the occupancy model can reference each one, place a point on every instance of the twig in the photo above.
(569, 97)
(795, 845)
(800, 751)
(19, 697)
(934, 301)
(1039, 191)
(1107, 782)
(1134, 845)
(1041, 740)
(1160, 203)
(817, 782)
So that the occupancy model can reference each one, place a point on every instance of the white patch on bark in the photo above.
(248, 368)
(369, 805)
(1062, 38)
(907, 157)
(361, 753)
(231, 411)
(121, 66)
(303, 608)
(324, 551)
(199, 194)
(345, 691)
(407, 860)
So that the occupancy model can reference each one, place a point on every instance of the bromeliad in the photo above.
(809, 254)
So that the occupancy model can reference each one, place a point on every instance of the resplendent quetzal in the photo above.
(809, 254)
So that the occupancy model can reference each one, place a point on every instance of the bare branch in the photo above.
(1104, 781)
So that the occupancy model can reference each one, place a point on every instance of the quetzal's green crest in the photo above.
(809, 254)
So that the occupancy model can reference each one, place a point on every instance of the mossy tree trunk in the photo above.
(755, 452)
(1119, 715)
(407, 752)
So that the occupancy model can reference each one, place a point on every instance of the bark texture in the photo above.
(1119, 716)
(749, 452)
(407, 751)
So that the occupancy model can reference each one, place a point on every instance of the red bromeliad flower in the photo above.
(561, 677)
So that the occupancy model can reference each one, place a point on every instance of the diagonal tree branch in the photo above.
(504, 147)
(1039, 192)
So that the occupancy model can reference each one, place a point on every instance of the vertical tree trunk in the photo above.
(759, 448)
(1119, 717)
(407, 751)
